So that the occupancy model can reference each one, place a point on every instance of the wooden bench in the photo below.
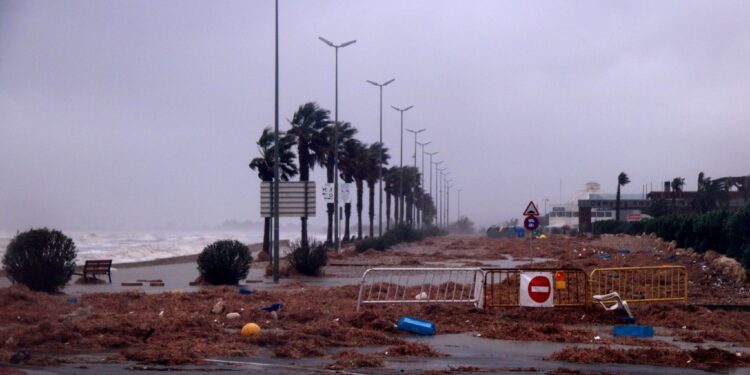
(96, 267)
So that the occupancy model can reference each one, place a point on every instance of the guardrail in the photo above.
(642, 284)
(421, 285)
(502, 286)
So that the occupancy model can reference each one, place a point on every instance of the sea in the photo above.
(127, 246)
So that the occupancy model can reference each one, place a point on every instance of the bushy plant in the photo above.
(224, 262)
(462, 225)
(399, 233)
(738, 232)
(308, 259)
(41, 259)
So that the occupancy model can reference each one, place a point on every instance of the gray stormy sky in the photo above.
(144, 113)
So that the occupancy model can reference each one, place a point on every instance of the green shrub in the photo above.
(308, 259)
(719, 230)
(399, 233)
(738, 233)
(41, 259)
(224, 262)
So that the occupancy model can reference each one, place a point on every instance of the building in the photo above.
(591, 204)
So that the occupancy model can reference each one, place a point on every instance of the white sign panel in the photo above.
(328, 192)
(345, 192)
(536, 289)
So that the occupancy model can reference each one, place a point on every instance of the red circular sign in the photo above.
(531, 222)
(540, 289)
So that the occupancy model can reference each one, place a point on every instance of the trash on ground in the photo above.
(218, 307)
(417, 326)
(250, 329)
(634, 331)
(233, 315)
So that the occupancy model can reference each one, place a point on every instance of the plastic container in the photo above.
(634, 331)
(417, 326)
(246, 291)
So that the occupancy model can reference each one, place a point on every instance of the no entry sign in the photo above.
(536, 289)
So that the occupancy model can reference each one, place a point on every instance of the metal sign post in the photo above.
(531, 223)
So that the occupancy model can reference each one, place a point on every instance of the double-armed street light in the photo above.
(422, 175)
(380, 160)
(400, 200)
(416, 133)
(459, 202)
(336, 139)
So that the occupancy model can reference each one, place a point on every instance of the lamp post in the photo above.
(416, 133)
(400, 201)
(433, 196)
(445, 201)
(276, 179)
(422, 184)
(336, 141)
(459, 203)
(448, 202)
(441, 177)
(380, 160)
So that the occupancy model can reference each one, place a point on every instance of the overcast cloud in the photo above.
(145, 113)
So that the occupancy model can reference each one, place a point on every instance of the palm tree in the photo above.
(411, 182)
(264, 166)
(373, 166)
(677, 184)
(390, 185)
(622, 180)
(350, 166)
(345, 131)
(307, 124)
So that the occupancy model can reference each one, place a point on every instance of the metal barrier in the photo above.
(501, 287)
(421, 285)
(642, 284)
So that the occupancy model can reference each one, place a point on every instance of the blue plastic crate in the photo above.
(635, 331)
(417, 326)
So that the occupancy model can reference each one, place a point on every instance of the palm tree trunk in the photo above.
(359, 209)
(371, 189)
(347, 214)
(330, 208)
(617, 204)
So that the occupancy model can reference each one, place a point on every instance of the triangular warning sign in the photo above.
(531, 209)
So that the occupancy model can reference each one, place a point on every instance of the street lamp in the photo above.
(276, 179)
(439, 191)
(336, 141)
(448, 202)
(459, 202)
(433, 196)
(400, 201)
(380, 160)
(423, 144)
(415, 132)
